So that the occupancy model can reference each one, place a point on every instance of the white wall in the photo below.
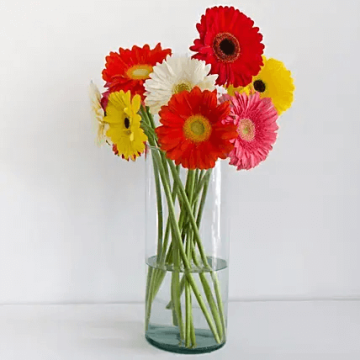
(70, 212)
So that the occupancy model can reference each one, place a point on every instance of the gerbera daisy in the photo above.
(98, 113)
(255, 119)
(173, 75)
(128, 69)
(192, 132)
(124, 131)
(274, 81)
(231, 44)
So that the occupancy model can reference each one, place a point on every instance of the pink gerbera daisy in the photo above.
(255, 119)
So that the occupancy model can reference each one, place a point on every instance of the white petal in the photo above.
(173, 71)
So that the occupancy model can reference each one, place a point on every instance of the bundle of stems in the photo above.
(179, 244)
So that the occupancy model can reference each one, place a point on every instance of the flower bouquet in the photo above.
(186, 113)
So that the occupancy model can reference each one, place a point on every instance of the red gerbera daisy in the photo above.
(192, 131)
(231, 44)
(128, 69)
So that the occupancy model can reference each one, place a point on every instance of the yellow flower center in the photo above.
(246, 130)
(184, 86)
(140, 72)
(197, 128)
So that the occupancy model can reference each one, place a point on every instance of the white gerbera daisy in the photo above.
(98, 113)
(173, 75)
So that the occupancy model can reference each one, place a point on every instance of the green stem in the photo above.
(210, 299)
(182, 287)
(190, 195)
(159, 210)
(195, 227)
(176, 231)
(150, 117)
(187, 206)
(178, 241)
(148, 289)
(188, 318)
(157, 274)
(194, 200)
(163, 256)
(175, 292)
(156, 277)
(189, 246)
(203, 198)
(188, 186)
(213, 274)
(219, 302)
(192, 335)
(200, 184)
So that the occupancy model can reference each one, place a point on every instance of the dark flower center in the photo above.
(259, 86)
(126, 123)
(226, 47)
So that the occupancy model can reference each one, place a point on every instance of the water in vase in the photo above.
(192, 333)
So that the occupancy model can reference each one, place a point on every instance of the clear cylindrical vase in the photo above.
(187, 249)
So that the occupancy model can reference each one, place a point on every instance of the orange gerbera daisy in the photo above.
(192, 132)
(128, 69)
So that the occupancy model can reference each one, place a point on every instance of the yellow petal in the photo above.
(136, 103)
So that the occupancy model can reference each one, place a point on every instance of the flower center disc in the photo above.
(246, 130)
(140, 72)
(226, 47)
(182, 87)
(197, 128)
(259, 86)
(127, 128)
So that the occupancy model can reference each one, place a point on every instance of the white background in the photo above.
(71, 214)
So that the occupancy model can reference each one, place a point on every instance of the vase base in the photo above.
(167, 338)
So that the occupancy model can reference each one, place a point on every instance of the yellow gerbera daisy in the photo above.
(273, 81)
(124, 124)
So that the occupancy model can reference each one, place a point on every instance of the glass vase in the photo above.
(187, 248)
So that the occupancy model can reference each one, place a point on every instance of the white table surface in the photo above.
(278, 330)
